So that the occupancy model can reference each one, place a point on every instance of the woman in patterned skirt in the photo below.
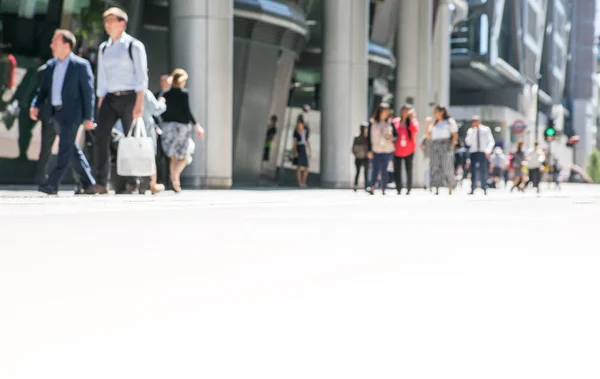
(177, 126)
(442, 133)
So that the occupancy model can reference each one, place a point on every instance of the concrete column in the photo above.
(413, 76)
(345, 87)
(202, 44)
(441, 50)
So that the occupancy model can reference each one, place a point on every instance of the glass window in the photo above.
(532, 22)
(84, 19)
(23, 26)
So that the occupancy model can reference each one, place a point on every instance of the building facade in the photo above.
(509, 65)
(330, 61)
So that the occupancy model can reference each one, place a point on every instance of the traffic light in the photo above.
(550, 132)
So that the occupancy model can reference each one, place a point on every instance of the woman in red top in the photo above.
(407, 127)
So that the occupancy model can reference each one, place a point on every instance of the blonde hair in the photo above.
(178, 77)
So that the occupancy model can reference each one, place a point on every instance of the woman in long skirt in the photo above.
(443, 134)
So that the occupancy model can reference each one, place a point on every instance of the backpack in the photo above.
(130, 50)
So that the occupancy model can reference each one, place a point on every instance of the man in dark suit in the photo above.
(69, 84)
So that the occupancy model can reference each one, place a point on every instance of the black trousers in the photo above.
(408, 164)
(480, 167)
(163, 171)
(112, 109)
(364, 164)
(48, 137)
(535, 175)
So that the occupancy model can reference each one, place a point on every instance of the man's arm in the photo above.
(42, 91)
(102, 89)
(86, 87)
(469, 137)
(156, 107)
(369, 143)
(140, 62)
(491, 142)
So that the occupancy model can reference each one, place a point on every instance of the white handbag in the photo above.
(135, 156)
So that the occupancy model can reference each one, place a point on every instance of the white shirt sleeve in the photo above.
(453, 125)
(102, 85)
(140, 61)
(491, 142)
(469, 137)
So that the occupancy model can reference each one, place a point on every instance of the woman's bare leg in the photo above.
(305, 177)
(299, 176)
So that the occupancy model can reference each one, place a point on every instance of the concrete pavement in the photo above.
(300, 284)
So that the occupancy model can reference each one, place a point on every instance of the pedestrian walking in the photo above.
(162, 161)
(442, 131)
(499, 163)
(481, 144)
(122, 82)
(518, 172)
(425, 142)
(69, 84)
(177, 126)
(269, 137)
(302, 150)
(360, 150)
(153, 107)
(535, 160)
(407, 127)
(556, 169)
(380, 139)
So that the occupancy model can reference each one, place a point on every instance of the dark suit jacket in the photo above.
(77, 92)
(45, 108)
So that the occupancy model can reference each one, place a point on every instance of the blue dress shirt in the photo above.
(58, 78)
(116, 69)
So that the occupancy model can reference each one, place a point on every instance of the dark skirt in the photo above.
(302, 158)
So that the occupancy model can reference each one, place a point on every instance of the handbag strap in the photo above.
(139, 131)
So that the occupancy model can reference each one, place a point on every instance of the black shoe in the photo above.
(400, 192)
(485, 192)
(96, 189)
(472, 192)
(408, 192)
(47, 190)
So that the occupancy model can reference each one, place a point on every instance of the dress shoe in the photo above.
(96, 189)
(48, 190)
(130, 189)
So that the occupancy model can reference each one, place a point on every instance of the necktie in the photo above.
(478, 141)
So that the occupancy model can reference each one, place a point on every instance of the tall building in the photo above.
(582, 80)
(509, 62)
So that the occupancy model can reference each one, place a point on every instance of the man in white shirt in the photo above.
(122, 84)
(481, 144)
